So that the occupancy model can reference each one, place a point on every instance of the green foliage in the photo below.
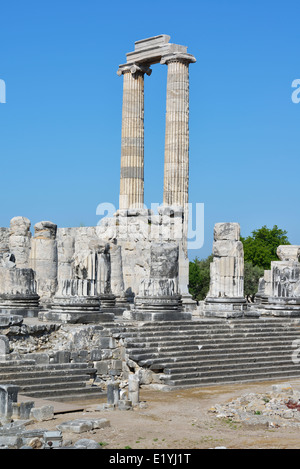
(252, 274)
(260, 248)
(199, 276)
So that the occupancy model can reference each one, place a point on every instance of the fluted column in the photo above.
(176, 166)
(132, 144)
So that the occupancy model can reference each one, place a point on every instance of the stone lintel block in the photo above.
(227, 231)
(288, 252)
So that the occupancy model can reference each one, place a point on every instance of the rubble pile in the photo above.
(280, 407)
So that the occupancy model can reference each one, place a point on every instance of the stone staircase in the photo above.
(210, 352)
(62, 381)
(194, 353)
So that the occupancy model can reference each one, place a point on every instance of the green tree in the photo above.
(260, 248)
(252, 274)
(199, 277)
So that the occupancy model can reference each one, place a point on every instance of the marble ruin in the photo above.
(279, 289)
(97, 291)
(226, 294)
(96, 273)
(135, 263)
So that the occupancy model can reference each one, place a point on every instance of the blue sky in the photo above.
(60, 128)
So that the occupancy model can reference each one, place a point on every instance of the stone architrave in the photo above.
(226, 293)
(44, 260)
(20, 241)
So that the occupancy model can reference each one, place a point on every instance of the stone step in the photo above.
(217, 329)
(16, 363)
(27, 377)
(151, 339)
(239, 377)
(67, 393)
(205, 325)
(196, 340)
(213, 349)
(48, 380)
(195, 353)
(208, 370)
(155, 361)
(4, 366)
(173, 366)
(203, 357)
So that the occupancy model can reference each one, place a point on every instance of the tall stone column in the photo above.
(176, 166)
(43, 259)
(132, 145)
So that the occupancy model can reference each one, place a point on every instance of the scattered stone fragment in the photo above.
(36, 443)
(45, 412)
(85, 443)
(83, 425)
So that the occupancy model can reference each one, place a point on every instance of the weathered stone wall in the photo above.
(57, 254)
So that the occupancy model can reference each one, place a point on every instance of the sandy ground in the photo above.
(179, 419)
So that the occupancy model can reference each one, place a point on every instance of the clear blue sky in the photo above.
(60, 129)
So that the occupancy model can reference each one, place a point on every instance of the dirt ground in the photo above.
(179, 419)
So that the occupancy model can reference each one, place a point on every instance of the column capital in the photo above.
(134, 69)
(177, 57)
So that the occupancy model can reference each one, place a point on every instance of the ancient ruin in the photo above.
(106, 309)
(226, 294)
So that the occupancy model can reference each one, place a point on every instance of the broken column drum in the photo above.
(284, 299)
(117, 278)
(88, 297)
(226, 292)
(103, 276)
(17, 288)
(158, 297)
(76, 301)
(20, 241)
